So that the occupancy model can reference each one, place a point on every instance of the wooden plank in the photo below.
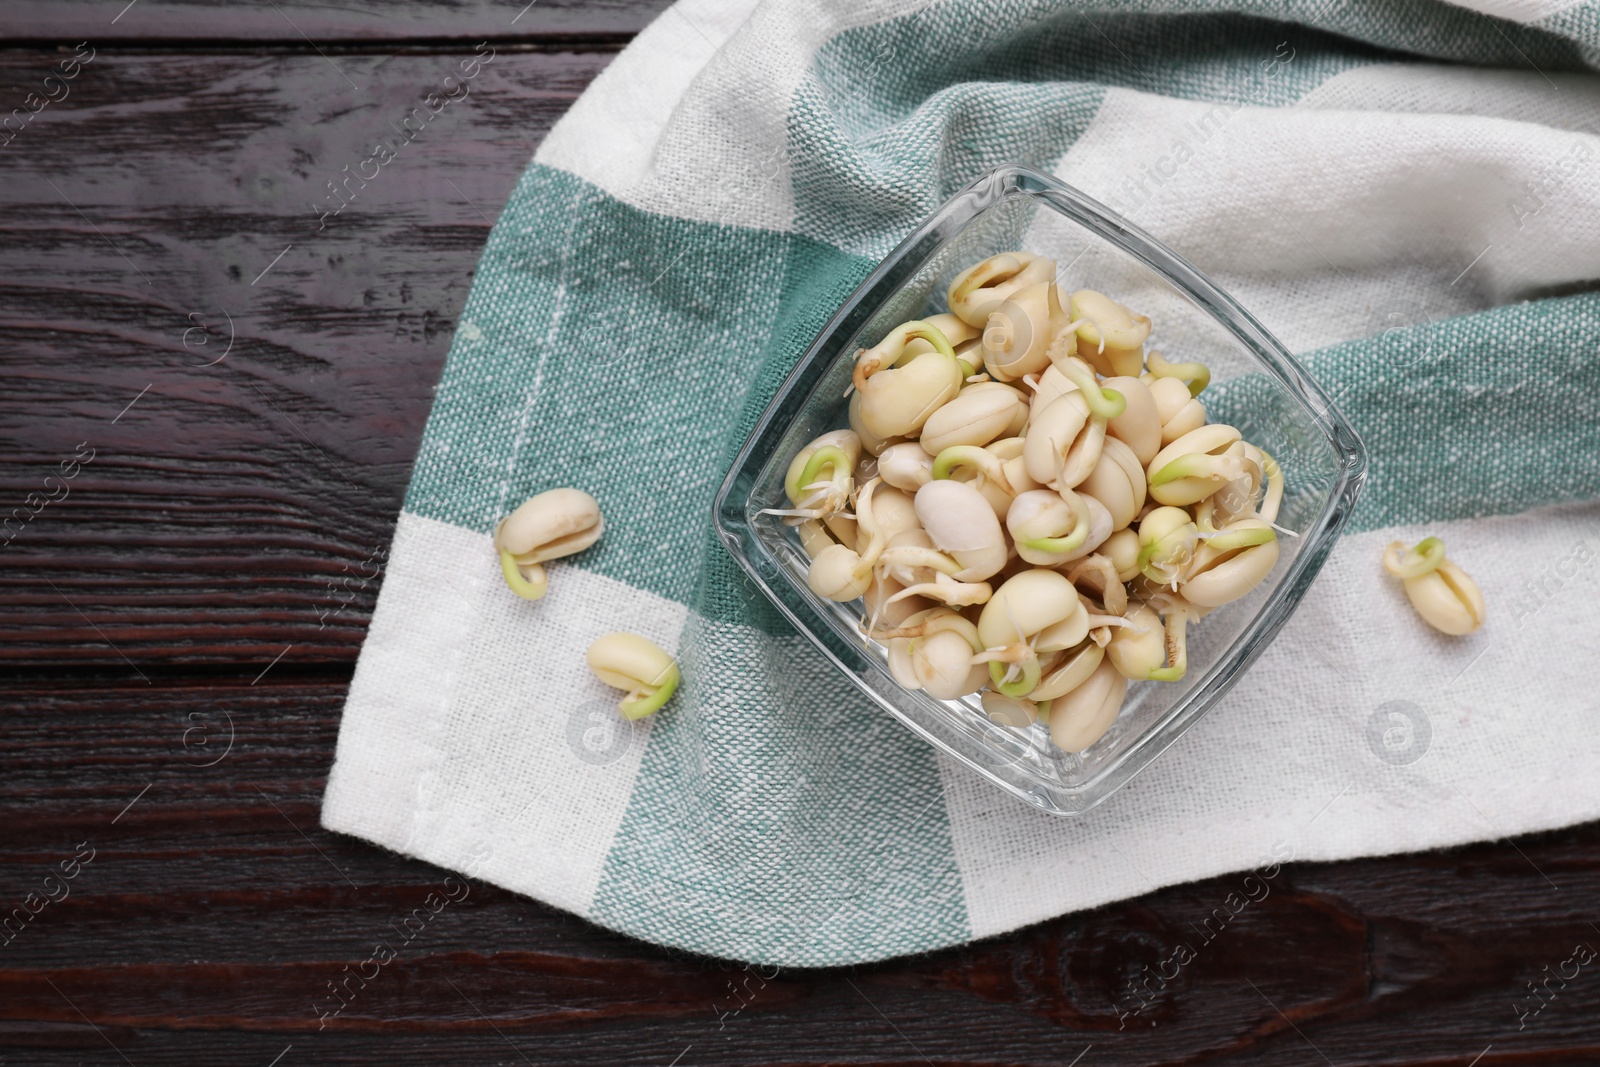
(214, 913)
(297, 23)
(227, 511)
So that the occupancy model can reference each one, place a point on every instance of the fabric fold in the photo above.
(1410, 201)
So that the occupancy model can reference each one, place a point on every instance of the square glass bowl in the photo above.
(1257, 386)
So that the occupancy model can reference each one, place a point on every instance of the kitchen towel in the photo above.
(1406, 192)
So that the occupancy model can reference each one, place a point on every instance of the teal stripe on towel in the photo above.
(733, 847)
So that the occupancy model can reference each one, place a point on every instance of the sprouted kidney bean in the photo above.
(1441, 592)
(556, 523)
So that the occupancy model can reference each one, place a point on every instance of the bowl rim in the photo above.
(995, 185)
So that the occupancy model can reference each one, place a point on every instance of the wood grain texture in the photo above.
(214, 914)
(295, 22)
(171, 203)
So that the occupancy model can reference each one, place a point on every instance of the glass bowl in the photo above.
(1257, 386)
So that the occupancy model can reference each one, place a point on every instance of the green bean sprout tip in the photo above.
(517, 583)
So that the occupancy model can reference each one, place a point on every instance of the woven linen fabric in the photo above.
(1406, 193)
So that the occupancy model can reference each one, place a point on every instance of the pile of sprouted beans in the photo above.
(1030, 505)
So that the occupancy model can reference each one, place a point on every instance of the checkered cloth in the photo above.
(1407, 194)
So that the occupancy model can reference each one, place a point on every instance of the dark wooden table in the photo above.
(182, 617)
